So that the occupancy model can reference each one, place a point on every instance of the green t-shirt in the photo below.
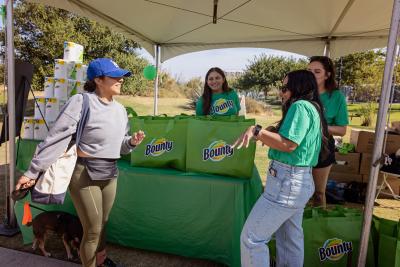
(224, 104)
(302, 126)
(335, 108)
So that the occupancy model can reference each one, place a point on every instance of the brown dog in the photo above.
(64, 224)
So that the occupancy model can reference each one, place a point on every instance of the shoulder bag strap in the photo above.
(83, 119)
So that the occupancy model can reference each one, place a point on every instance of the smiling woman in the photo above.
(103, 139)
(218, 98)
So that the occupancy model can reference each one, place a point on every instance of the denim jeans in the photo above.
(278, 211)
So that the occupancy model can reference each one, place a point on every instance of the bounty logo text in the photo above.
(217, 151)
(334, 249)
(221, 106)
(159, 146)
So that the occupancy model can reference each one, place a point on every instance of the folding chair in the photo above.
(385, 185)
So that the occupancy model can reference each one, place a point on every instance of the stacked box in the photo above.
(355, 167)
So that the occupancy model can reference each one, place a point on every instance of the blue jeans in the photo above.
(279, 210)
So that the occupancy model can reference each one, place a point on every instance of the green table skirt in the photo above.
(189, 214)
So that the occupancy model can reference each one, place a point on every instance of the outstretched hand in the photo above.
(244, 139)
(137, 138)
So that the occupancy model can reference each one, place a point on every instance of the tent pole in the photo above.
(11, 108)
(157, 52)
(379, 132)
(327, 48)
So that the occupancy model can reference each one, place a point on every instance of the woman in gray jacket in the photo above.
(104, 137)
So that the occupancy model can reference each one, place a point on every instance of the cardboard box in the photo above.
(364, 141)
(394, 183)
(396, 126)
(366, 161)
(349, 163)
(365, 178)
(345, 177)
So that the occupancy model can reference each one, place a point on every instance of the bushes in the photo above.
(257, 107)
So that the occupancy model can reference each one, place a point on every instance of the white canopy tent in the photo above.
(308, 27)
(183, 26)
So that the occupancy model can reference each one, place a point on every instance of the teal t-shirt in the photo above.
(335, 108)
(302, 126)
(222, 104)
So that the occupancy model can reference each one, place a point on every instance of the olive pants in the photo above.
(93, 200)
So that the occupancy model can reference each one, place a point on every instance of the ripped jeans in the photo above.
(93, 201)
(278, 211)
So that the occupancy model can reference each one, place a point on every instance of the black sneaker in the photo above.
(109, 263)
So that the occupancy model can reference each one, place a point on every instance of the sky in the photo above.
(196, 64)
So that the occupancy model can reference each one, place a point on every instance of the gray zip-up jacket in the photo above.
(105, 134)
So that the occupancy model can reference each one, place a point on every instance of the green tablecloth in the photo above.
(189, 214)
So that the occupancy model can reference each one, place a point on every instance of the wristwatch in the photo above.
(257, 130)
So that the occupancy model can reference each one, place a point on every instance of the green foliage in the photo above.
(40, 32)
(195, 84)
(195, 89)
(363, 71)
(266, 72)
(367, 111)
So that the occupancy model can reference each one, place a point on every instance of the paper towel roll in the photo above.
(48, 87)
(80, 71)
(52, 109)
(40, 110)
(71, 70)
(40, 130)
(61, 89)
(60, 69)
(79, 87)
(62, 104)
(28, 128)
(73, 52)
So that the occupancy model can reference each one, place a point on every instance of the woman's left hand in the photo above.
(137, 138)
(244, 139)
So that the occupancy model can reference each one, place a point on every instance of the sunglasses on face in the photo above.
(283, 88)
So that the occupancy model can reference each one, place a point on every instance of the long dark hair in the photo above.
(327, 64)
(207, 92)
(303, 86)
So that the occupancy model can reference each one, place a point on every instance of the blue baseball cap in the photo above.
(105, 67)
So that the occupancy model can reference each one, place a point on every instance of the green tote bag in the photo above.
(165, 143)
(389, 243)
(209, 147)
(332, 237)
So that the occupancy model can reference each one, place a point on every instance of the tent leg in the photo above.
(157, 52)
(327, 48)
(379, 132)
(11, 228)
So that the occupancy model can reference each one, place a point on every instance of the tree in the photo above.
(362, 71)
(40, 32)
(266, 72)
